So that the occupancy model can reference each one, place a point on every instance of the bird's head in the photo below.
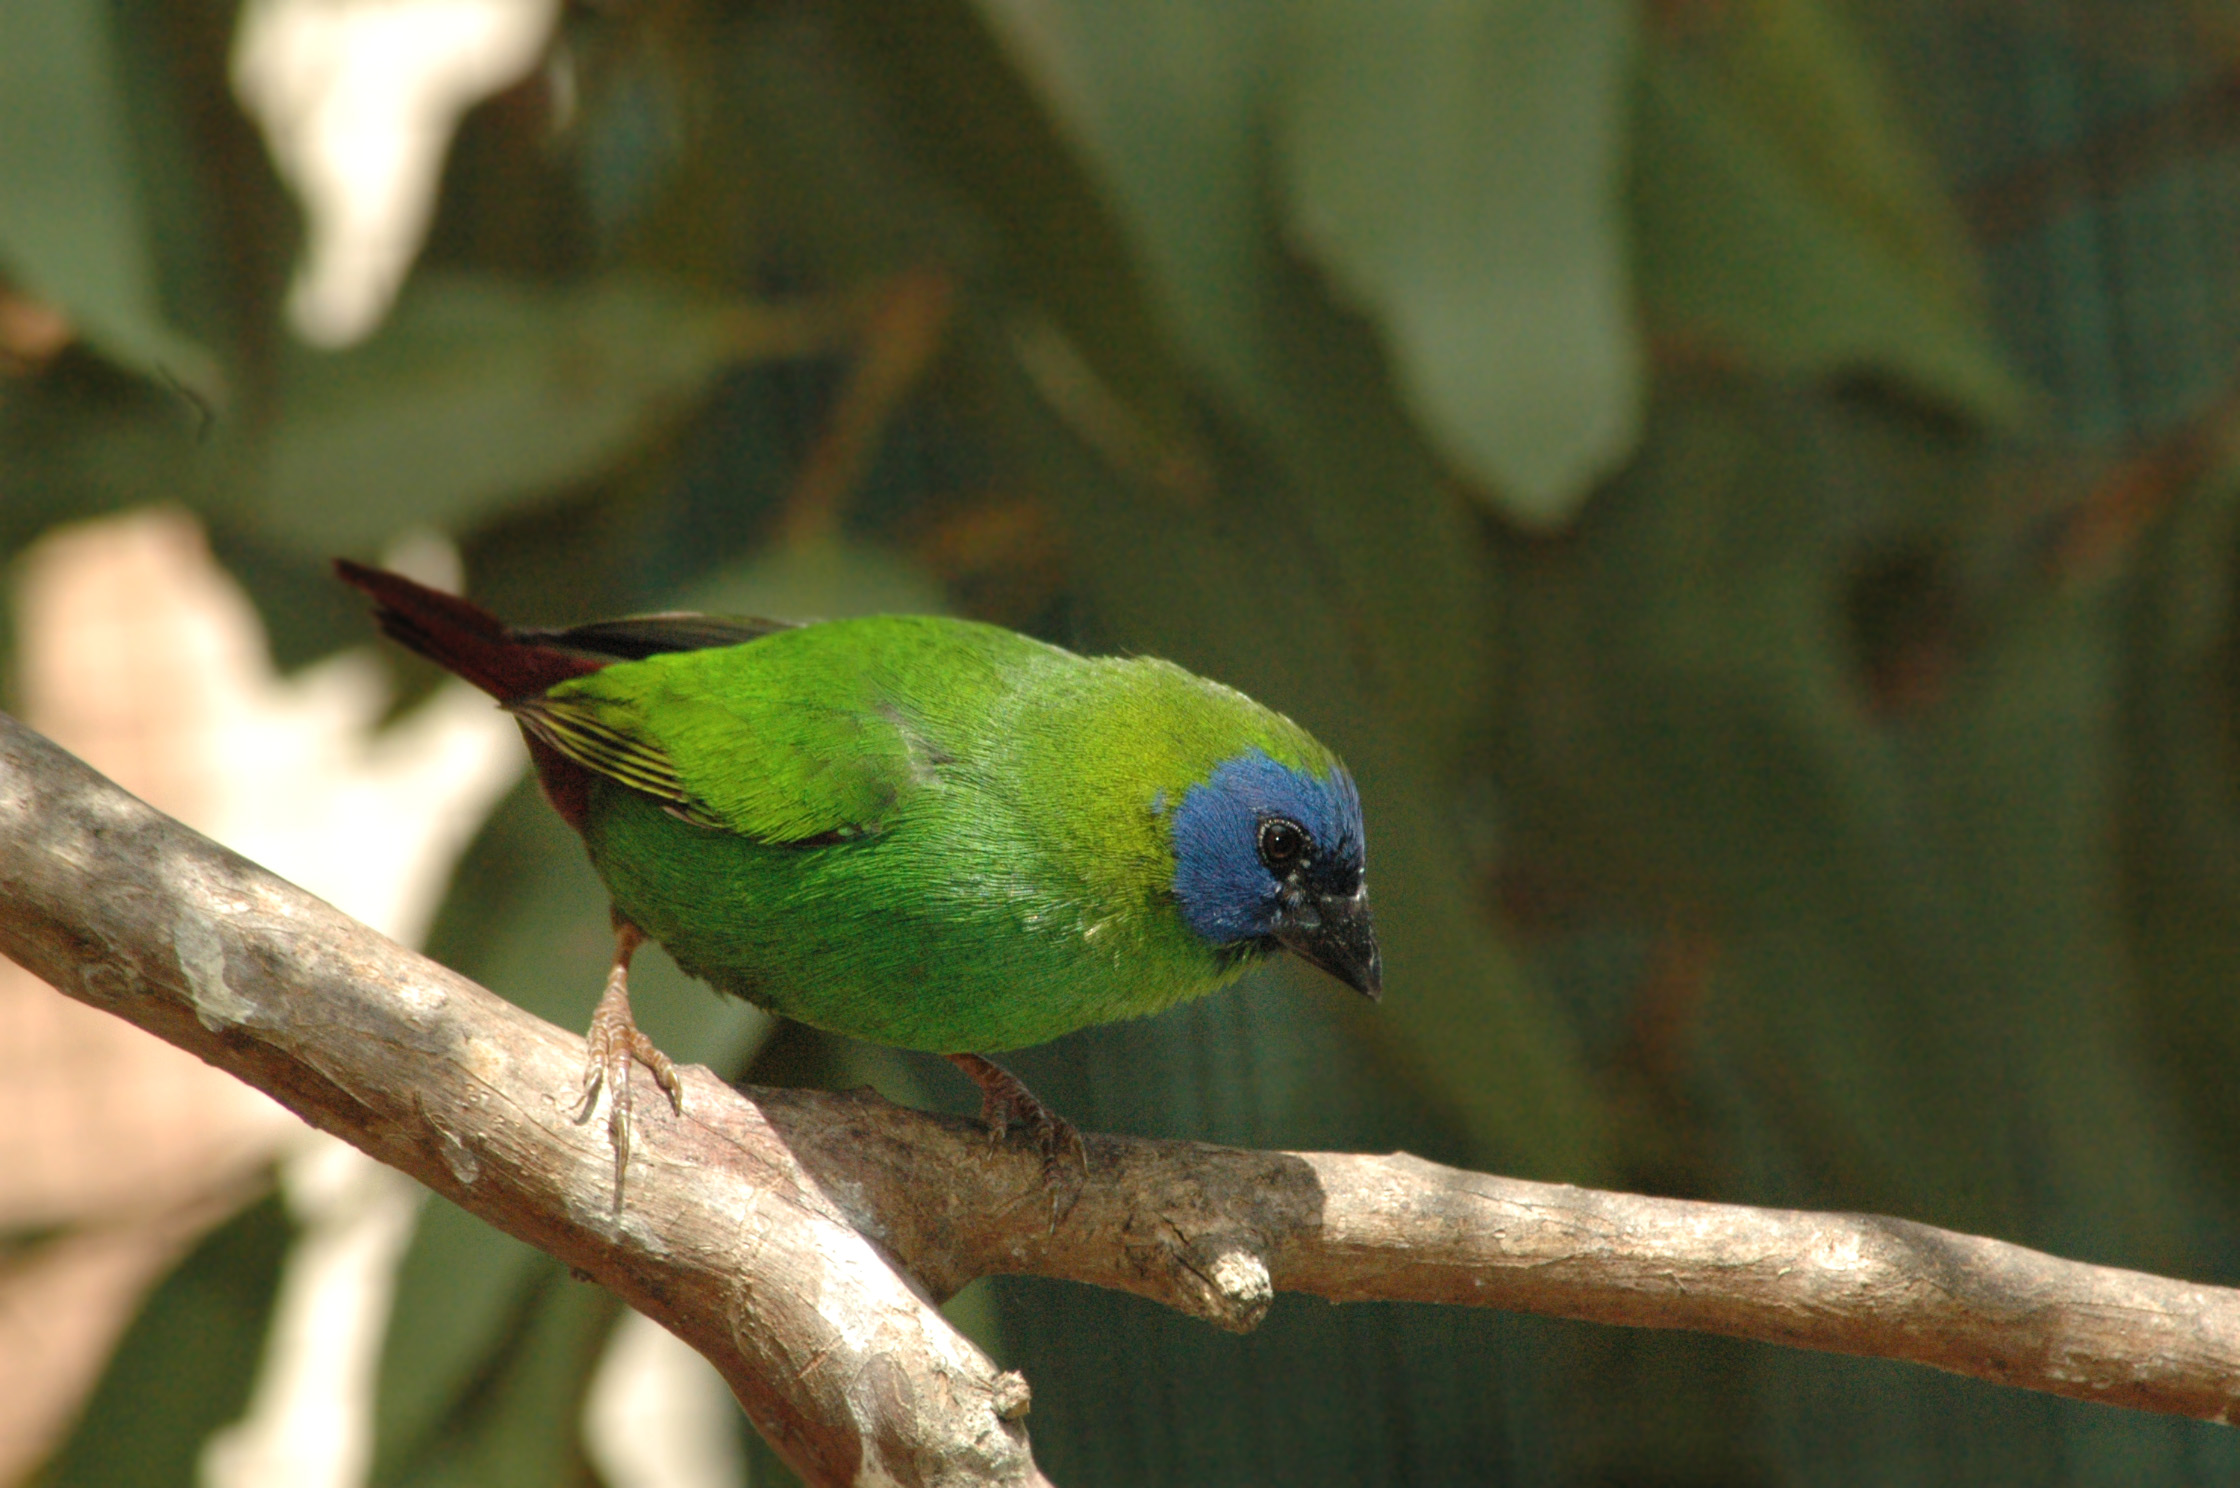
(1267, 854)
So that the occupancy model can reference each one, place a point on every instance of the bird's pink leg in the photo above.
(615, 1043)
(1004, 1095)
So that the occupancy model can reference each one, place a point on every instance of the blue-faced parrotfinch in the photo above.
(925, 832)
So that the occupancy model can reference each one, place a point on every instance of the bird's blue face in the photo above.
(1266, 855)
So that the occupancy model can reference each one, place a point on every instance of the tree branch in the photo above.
(797, 1238)
(726, 1240)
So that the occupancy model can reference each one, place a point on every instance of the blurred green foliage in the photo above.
(1802, 764)
(184, 1368)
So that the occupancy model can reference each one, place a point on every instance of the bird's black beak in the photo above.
(1335, 933)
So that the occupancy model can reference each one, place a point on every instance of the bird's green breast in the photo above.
(938, 835)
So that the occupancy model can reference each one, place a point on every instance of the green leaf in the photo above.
(1167, 99)
(517, 1422)
(974, 124)
(478, 395)
(1459, 169)
(819, 580)
(2182, 804)
(73, 227)
(463, 1293)
(1918, 1005)
(186, 1365)
(1784, 218)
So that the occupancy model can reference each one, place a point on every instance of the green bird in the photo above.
(924, 832)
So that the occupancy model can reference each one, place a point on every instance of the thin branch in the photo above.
(1216, 1232)
(767, 1229)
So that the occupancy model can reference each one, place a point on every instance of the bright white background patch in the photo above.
(358, 100)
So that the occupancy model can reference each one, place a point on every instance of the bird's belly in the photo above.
(883, 940)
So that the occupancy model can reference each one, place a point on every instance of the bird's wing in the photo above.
(585, 730)
(742, 754)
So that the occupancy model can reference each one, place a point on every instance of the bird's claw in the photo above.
(616, 1043)
(1003, 1096)
(1065, 1183)
(1057, 1139)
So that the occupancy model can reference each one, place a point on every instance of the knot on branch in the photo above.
(1228, 1287)
(1012, 1397)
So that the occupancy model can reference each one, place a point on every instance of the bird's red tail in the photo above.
(461, 637)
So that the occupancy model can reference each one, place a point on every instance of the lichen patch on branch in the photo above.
(202, 967)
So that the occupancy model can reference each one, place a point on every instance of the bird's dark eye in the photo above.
(1283, 844)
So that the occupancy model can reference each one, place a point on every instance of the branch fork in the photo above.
(800, 1239)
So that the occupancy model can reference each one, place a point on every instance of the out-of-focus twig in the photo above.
(2028, 195)
(899, 328)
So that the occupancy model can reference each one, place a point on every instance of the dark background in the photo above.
(1746, 485)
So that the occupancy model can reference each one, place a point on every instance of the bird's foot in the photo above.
(615, 1043)
(1003, 1097)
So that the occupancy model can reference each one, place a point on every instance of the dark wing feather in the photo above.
(637, 637)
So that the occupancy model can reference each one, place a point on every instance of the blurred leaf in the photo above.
(185, 1367)
(73, 228)
(478, 394)
(1797, 67)
(1460, 171)
(819, 581)
(2020, 782)
(1166, 98)
(86, 439)
(965, 111)
(1784, 218)
(464, 1291)
(1919, 1004)
(2182, 800)
(518, 1423)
